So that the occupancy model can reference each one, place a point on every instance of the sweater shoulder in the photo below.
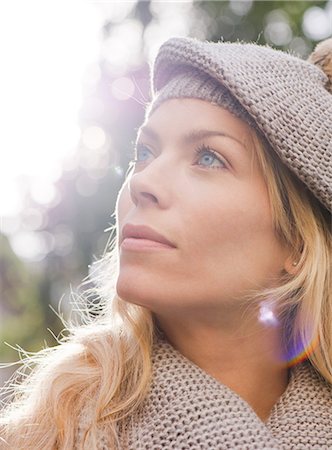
(307, 405)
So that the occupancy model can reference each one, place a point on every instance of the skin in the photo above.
(218, 215)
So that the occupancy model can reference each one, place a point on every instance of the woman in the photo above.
(216, 326)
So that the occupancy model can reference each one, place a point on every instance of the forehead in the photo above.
(186, 119)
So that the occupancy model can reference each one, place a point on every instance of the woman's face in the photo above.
(205, 194)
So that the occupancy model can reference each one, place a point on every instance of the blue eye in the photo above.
(141, 154)
(209, 158)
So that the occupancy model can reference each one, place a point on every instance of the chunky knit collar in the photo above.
(187, 409)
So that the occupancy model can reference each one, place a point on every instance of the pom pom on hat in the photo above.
(322, 57)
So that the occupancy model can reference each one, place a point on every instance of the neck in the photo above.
(242, 354)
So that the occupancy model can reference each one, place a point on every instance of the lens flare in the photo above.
(266, 315)
(298, 351)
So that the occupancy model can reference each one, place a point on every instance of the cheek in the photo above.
(217, 218)
(232, 230)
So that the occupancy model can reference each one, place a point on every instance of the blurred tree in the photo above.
(24, 315)
(276, 23)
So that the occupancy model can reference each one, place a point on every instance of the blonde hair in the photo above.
(108, 356)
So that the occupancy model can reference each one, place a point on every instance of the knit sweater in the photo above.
(186, 408)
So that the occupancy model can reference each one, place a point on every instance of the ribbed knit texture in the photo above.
(196, 84)
(284, 95)
(186, 408)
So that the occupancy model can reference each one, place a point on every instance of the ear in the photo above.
(291, 265)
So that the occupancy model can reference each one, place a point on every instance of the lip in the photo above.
(142, 236)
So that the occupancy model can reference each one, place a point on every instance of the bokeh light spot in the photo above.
(317, 23)
(300, 47)
(43, 192)
(93, 137)
(240, 8)
(32, 246)
(278, 31)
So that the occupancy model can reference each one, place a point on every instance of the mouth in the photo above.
(141, 236)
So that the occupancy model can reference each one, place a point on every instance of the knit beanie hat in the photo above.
(286, 99)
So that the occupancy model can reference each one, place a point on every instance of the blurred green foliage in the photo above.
(26, 293)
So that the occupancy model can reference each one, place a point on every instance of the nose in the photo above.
(150, 186)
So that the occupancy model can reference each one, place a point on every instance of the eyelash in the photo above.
(199, 151)
(202, 149)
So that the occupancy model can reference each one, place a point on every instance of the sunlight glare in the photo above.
(48, 47)
(122, 46)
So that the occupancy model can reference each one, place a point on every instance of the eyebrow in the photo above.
(192, 136)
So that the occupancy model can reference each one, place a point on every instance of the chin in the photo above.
(131, 294)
